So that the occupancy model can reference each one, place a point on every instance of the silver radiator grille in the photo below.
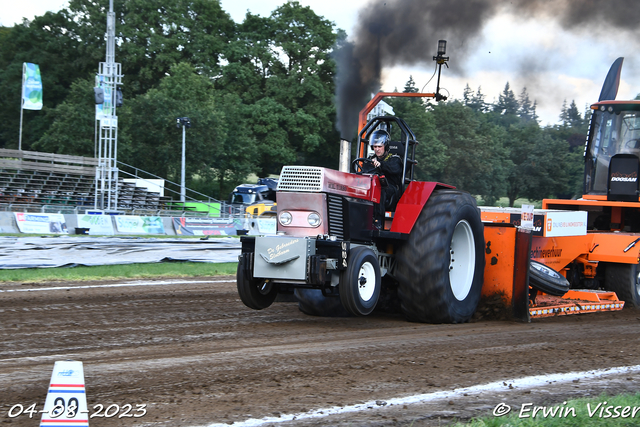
(300, 178)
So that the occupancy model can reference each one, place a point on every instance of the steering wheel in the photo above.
(358, 167)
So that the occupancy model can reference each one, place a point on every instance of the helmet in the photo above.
(380, 137)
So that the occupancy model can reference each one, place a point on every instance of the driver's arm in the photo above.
(392, 167)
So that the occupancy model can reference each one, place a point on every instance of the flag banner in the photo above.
(31, 87)
(104, 110)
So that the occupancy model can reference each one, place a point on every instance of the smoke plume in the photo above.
(406, 32)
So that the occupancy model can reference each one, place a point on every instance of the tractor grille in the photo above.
(300, 178)
(336, 216)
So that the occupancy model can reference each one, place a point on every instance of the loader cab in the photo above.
(403, 141)
(612, 153)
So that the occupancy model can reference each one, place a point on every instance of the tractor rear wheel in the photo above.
(624, 280)
(440, 268)
(360, 283)
(255, 293)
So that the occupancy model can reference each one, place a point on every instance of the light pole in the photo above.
(185, 123)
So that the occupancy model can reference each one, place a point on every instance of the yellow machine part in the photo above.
(259, 208)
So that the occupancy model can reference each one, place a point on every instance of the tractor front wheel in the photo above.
(624, 280)
(440, 268)
(360, 283)
(255, 293)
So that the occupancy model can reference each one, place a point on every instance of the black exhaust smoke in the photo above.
(406, 32)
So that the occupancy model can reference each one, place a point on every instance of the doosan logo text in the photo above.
(623, 179)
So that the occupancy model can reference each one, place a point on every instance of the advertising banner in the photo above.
(139, 224)
(104, 109)
(267, 225)
(97, 224)
(565, 224)
(31, 87)
(41, 223)
(203, 227)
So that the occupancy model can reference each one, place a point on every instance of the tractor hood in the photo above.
(322, 180)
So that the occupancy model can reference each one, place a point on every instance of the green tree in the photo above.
(44, 41)
(474, 101)
(153, 36)
(543, 165)
(73, 123)
(527, 109)
(281, 67)
(507, 102)
(152, 142)
(410, 86)
(430, 151)
(474, 156)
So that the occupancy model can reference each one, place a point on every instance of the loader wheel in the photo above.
(440, 268)
(313, 303)
(255, 293)
(360, 283)
(624, 280)
(547, 280)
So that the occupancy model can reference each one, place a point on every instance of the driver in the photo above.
(387, 165)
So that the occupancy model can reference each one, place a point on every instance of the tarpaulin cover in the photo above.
(68, 251)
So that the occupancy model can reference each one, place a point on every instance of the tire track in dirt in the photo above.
(196, 355)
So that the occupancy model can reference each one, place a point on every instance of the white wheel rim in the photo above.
(366, 281)
(462, 260)
(546, 270)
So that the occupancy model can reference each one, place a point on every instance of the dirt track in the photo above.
(196, 356)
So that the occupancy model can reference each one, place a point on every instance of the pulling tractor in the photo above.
(430, 247)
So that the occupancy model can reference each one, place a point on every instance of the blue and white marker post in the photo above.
(66, 403)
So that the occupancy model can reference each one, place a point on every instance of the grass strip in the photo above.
(121, 271)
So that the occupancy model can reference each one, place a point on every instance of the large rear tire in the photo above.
(624, 280)
(255, 293)
(440, 268)
(360, 283)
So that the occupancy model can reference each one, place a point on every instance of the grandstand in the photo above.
(31, 181)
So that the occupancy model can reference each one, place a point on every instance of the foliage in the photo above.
(281, 66)
(212, 151)
(475, 156)
(430, 151)
(72, 129)
(260, 94)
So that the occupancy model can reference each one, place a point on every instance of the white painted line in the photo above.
(117, 285)
(503, 386)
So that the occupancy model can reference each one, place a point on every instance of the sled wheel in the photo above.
(624, 280)
(547, 280)
(360, 283)
(440, 268)
(255, 293)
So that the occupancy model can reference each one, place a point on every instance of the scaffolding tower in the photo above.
(108, 79)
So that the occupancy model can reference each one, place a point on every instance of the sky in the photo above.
(526, 50)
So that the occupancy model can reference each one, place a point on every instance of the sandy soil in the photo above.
(195, 355)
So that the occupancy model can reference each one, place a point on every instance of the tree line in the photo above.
(260, 94)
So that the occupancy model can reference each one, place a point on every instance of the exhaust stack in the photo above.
(345, 155)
